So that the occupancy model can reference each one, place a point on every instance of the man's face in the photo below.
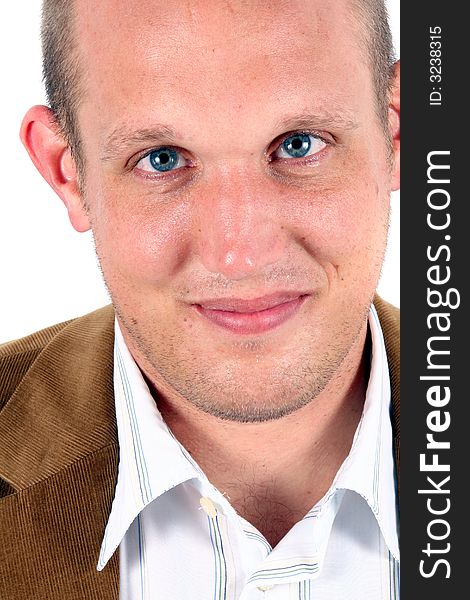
(233, 152)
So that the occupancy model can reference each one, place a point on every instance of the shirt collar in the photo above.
(152, 461)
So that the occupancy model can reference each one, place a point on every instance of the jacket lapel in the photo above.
(59, 452)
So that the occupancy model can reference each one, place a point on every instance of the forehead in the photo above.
(216, 56)
(205, 22)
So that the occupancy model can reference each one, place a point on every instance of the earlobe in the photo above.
(394, 124)
(51, 155)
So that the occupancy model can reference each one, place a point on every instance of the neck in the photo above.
(270, 480)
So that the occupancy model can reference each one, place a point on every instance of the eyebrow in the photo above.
(320, 120)
(123, 138)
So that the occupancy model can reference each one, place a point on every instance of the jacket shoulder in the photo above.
(17, 356)
(56, 399)
(389, 315)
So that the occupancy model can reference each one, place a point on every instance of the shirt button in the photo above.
(208, 507)
(265, 588)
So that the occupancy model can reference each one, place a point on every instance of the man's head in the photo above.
(235, 161)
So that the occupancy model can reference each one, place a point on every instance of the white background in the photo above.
(48, 272)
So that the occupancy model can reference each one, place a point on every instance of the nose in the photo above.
(239, 227)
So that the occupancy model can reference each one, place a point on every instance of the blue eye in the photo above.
(161, 160)
(299, 145)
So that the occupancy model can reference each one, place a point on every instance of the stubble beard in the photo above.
(251, 393)
(228, 390)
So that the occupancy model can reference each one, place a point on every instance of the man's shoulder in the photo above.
(389, 317)
(56, 399)
(58, 454)
(18, 356)
(40, 339)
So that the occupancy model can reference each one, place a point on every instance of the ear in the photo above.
(51, 154)
(394, 124)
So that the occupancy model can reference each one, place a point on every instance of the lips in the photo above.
(251, 316)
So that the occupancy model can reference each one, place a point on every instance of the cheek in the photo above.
(146, 242)
(346, 226)
(344, 214)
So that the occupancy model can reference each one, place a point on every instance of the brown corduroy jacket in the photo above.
(59, 456)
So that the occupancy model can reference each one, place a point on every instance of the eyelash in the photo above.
(300, 161)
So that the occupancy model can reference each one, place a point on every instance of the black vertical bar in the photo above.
(435, 325)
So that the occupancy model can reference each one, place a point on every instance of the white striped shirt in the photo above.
(180, 538)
